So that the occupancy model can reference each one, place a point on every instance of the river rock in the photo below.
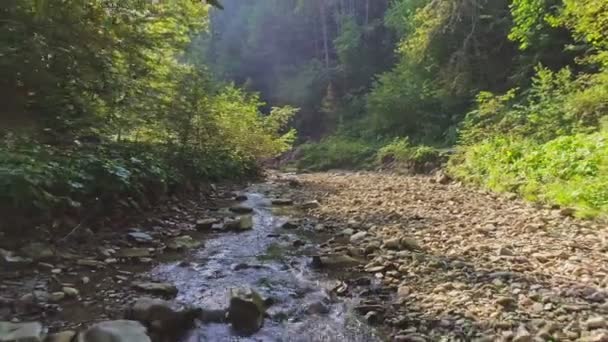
(133, 253)
(65, 336)
(317, 308)
(205, 224)
(115, 331)
(20, 332)
(334, 261)
(140, 310)
(183, 242)
(522, 335)
(9, 257)
(91, 263)
(291, 224)
(158, 288)
(38, 251)
(394, 243)
(240, 197)
(246, 311)
(310, 205)
(282, 201)
(244, 222)
(358, 237)
(597, 322)
(241, 209)
(140, 237)
(70, 291)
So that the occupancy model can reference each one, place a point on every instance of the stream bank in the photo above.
(184, 253)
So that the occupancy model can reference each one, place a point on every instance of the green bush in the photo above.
(419, 159)
(39, 182)
(336, 152)
(570, 171)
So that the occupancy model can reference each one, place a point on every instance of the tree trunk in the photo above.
(324, 32)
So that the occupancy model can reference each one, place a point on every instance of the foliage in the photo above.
(569, 170)
(336, 152)
(557, 104)
(401, 154)
(125, 79)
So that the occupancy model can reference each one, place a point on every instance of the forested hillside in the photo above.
(520, 86)
(107, 103)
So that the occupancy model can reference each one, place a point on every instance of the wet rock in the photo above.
(310, 205)
(56, 297)
(133, 253)
(240, 197)
(298, 243)
(90, 263)
(597, 322)
(38, 251)
(373, 317)
(65, 336)
(205, 224)
(9, 257)
(282, 201)
(157, 288)
(140, 310)
(334, 261)
(115, 331)
(317, 308)
(140, 237)
(70, 292)
(358, 237)
(20, 332)
(246, 311)
(241, 209)
(291, 224)
(183, 242)
(242, 223)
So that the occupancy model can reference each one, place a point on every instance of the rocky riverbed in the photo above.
(335, 257)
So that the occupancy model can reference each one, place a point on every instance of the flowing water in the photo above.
(264, 259)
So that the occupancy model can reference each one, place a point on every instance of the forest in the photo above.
(107, 99)
(303, 170)
(517, 87)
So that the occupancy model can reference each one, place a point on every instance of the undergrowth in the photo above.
(571, 171)
(338, 152)
(38, 182)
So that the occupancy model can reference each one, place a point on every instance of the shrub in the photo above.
(336, 152)
(418, 159)
(569, 170)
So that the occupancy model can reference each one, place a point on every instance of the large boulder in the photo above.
(163, 322)
(246, 311)
(115, 331)
(20, 332)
